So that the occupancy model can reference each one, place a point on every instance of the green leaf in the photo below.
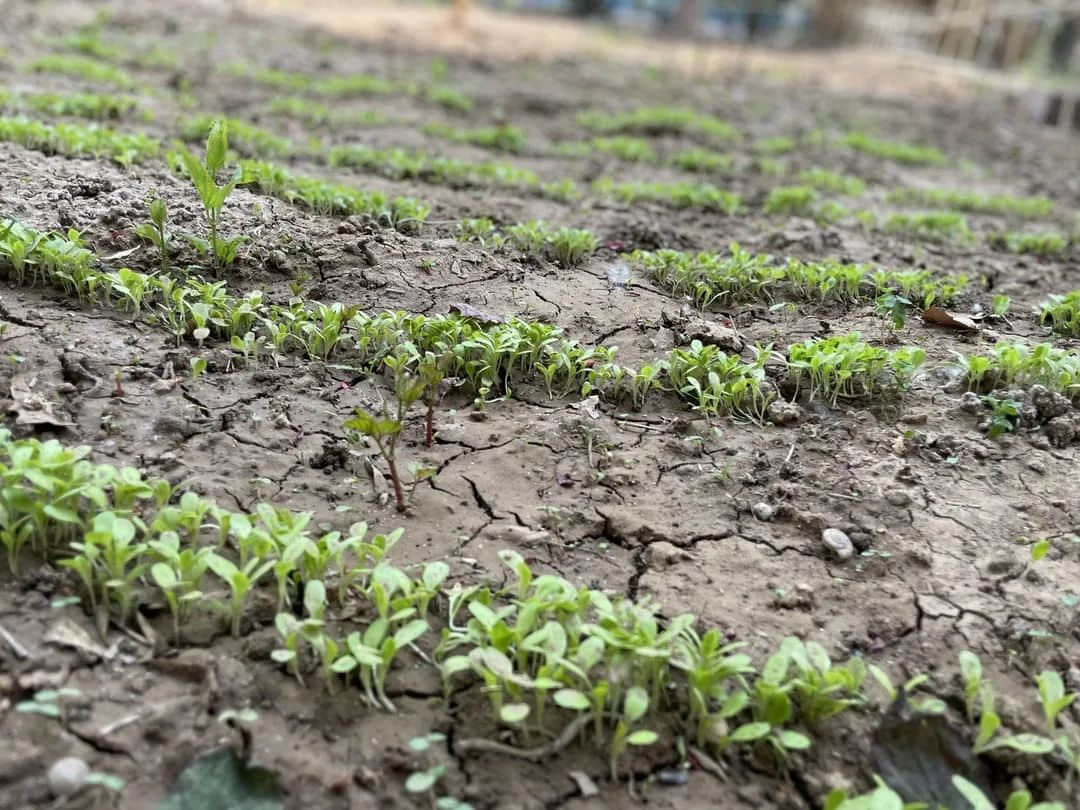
(222, 779)
(217, 146)
(750, 732)
(164, 576)
(1018, 800)
(571, 699)
(1039, 550)
(61, 514)
(793, 740)
(423, 781)
(642, 737)
(106, 780)
(411, 632)
(514, 713)
(636, 704)
(283, 656)
(972, 794)
(1026, 743)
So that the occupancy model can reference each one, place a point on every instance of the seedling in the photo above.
(155, 233)
(890, 150)
(702, 160)
(1026, 207)
(222, 251)
(1062, 313)
(790, 200)
(49, 702)
(240, 580)
(1004, 416)
(635, 706)
(895, 307)
(1039, 244)
(937, 225)
(75, 140)
(385, 430)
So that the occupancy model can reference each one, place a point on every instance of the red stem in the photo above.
(429, 435)
(399, 496)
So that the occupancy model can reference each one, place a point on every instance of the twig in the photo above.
(707, 763)
(531, 754)
(17, 648)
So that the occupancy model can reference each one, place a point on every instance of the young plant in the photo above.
(155, 233)
(221, 251)
(385, 430)
(1004, 416)
(635, 706)
(240, 580)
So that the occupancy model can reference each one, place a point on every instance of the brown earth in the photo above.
(626, 501)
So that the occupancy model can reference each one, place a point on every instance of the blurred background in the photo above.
(1039, 35)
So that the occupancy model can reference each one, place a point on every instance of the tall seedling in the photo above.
(222, 252)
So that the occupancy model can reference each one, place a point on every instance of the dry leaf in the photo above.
(942, 317)
(67, 633)
(481, 316)
(31, 407)
(584, 783)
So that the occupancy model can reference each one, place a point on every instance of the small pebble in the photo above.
(839, 543)
(67, 775)
(897, 497)
(762, 511)
(672, 776)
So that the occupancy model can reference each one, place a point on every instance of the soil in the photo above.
(627, 501)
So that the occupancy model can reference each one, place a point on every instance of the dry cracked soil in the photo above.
(721, 518)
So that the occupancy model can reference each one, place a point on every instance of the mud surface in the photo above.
(629, 501)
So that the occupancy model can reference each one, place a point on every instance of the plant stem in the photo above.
(429, 425)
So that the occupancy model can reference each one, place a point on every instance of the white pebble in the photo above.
(762, 511)
(67, 775)
(839, 542)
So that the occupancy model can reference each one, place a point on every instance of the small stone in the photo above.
(897, 497)
(162, 387)
(763, 511)
(1060, 431)
(780, 412)
(970, 402)
(277, 260)
(664, 553)
(478, 416)
(839, 543)
(67, 775)
(713, 334)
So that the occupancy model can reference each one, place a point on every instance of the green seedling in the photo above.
(240, 581)
(790, 200)
(938, 225)
(895, 307)
(844, 367)
(75, 140)
(635, 150)
(677, 195)
(95, 106)
(385, 430)
(1025, 207)
(1038, 244)
(1062, 313)
(1000, 306)
(702, 160)
(778, 145)
(890, 150)
(83, 68)
(826, 180)
(635, 706)
(1004, 416)
(155, 233)
(204, 174)
(505, 137)
(49, 702)
(244, 137)
(179, 575)
(1017, 800)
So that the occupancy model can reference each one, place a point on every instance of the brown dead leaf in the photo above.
(31, 407)
(942, 317)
